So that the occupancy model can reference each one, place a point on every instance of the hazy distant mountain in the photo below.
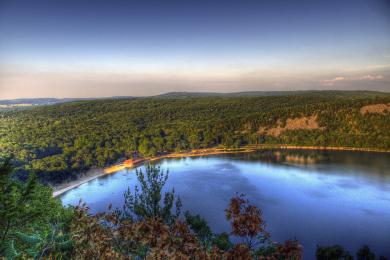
(330, 93)
(31, 102)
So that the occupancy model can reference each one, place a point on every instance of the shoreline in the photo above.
(320, 148)
(88, 176)
(96, 173)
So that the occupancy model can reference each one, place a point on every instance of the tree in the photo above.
(51, 243)
(246, 221)
(147, 148)
(364, 253)
(222, 241)
(336, 252)
(149, 201)
(26, 208)
(200, 227)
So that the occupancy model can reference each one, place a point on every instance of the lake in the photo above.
(317, 197)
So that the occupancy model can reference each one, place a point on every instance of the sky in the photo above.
(81, 48)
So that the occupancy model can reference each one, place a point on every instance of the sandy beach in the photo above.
(85, 177)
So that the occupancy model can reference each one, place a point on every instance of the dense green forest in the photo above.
(59, 141)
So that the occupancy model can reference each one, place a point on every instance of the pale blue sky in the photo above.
(106, 48)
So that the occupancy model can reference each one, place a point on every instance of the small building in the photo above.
(133, 162)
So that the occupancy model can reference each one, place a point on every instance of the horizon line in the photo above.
(201, 92)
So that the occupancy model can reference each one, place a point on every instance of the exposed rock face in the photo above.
(376, 108)
(305, 122)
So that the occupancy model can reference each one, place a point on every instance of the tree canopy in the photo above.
(58, 142)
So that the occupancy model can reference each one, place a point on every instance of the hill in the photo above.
(61, 140)
(323, 93)
(20, 103)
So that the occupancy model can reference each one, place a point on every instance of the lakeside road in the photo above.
(96, 173)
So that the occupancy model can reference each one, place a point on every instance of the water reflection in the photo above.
(317, 197)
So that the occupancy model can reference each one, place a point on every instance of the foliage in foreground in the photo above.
(35, 225)
(153, 239)
(32, 223)
(149, 226)
(149, 202)
(337, 252)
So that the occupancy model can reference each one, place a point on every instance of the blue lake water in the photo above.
(317, 197)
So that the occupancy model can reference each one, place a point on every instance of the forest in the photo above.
(58, 142)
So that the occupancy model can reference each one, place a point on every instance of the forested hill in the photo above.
(323, 93)
(59, 141)
(24, 103)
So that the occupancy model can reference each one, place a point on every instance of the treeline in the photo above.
(57, 142)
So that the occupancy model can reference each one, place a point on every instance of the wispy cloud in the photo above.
(378, 66)
(332, 82)
(369, 77)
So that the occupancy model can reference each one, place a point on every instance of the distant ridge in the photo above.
(333, 93)
(23, 103)
(39, 101)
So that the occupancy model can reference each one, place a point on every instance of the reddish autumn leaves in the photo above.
(246, 221)
(148, 228)
(105, 236)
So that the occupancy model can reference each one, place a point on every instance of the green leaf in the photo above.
(66, 245)
(29, 239)
(10, 250)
